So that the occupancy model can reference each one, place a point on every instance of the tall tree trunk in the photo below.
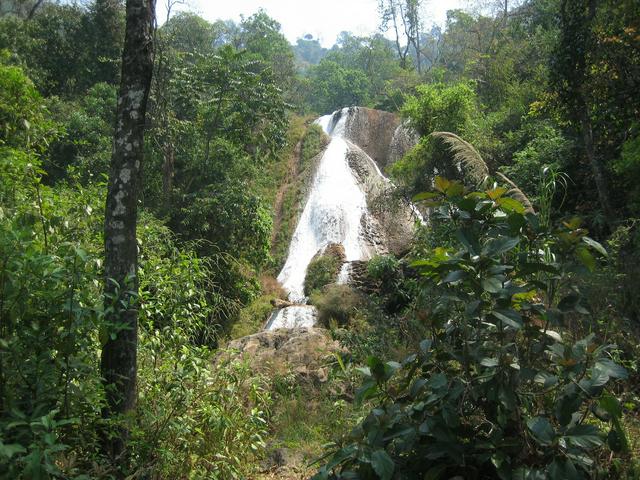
(119, 362)
(597, 169)
(167, 173)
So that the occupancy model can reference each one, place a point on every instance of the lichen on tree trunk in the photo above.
(118, 361)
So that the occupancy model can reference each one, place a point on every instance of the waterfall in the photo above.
(335, 212)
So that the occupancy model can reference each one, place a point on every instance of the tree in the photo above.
(404, 15)
(119, 352)
(106, 20)
(571, 72)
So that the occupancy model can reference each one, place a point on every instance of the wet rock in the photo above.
(279, 303)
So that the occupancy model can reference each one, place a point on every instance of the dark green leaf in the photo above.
(454, 276)
(382, 464)
(500, 245)
(492, 284)
(509, 317)
(584, 436)
(611, 368)
(542, 430)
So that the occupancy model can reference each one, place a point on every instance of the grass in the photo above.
(307, 417)
(252, 317)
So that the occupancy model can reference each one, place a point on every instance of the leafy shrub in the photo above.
(395, 291)
(336, 303)
(501, 389)
(313, 142)
(195, 420)
(252, 317)
(321, 271)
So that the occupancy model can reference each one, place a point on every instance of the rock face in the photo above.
(381, 135)
(305, 352)
(390, 227)
(372, 130)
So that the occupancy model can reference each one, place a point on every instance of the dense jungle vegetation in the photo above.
(504, 344)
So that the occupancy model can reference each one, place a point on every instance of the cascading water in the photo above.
(333, 214)
(336, 210)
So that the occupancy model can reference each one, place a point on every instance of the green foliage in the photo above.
(23, 115)
(332, 86)
(321, 272)
(336, 304)
(229, 215)
(547, 149)
(252, 318)
(434, 108)
(207, 422)
(83, 152)
(66, 48)
(312, 144)
(500, 389)
(394, 289)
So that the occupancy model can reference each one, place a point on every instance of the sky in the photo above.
(324, 19)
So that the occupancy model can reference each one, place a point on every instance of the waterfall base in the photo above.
(297, 316)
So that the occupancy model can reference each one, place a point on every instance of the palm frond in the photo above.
(466, 154)
(518, 194)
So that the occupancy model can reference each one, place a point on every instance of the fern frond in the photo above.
(518, 194)
(466, 154)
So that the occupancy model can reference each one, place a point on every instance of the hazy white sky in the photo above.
(324, 19)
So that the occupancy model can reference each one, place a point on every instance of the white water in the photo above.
(335, 211)
(298, 316)
(332, 214)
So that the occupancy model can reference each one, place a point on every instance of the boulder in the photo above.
(279, 303)
(305, 352)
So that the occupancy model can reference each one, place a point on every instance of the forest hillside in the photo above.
(412, 255)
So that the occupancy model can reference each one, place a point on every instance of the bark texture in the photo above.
(119, 362)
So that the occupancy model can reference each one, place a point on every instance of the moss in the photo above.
(321, 271)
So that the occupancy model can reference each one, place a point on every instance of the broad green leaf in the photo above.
(611, 405)
(382, 464)
(496, 193)
(510, 205)
(425, 196)
(9, 450)
(453, 277)
(586, 257)
(367, 389)
(500, 245)
(455, 189)
(563, 469)
(545, 379)
(492, 284)
(541, 430)
(584, 436)
(441, 184)
(509, 317)
(611, 368)
(468, 240)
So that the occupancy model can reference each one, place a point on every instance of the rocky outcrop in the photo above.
(279, 303)
(389, 228)
(305, 352)
(380, 134)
